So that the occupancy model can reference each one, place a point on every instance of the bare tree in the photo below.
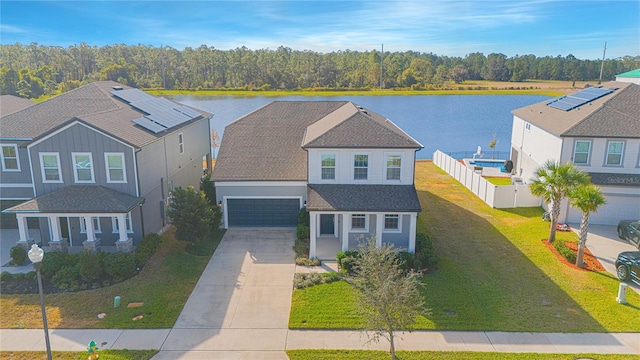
(388, 298)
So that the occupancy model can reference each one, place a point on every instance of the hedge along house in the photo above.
(95, 166)
(352, 168)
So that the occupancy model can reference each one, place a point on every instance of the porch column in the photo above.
(23, 228)
(379, 227)
(91, 244)
(312, 234)
(344, 238)
(412, 232)
(335, 224)
(55, 228)
(124, 243)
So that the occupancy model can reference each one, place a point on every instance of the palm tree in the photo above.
(553, 182)
(586, 198)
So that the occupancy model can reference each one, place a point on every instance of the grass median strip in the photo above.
(495, 274)
(163, 285)
(442, 355)
(79, 355)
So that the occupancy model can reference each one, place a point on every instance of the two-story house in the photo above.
(352, 168)
(598, 129)
(96, 165)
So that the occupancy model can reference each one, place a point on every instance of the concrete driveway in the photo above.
(240, 307)
(604, 244)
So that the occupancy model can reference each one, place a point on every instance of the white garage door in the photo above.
(617, 208)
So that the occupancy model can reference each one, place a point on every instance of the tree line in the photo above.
(34, 70)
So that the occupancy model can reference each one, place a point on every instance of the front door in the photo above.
(326, 224)
(64, 228)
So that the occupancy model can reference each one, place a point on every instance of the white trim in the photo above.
(44, 177)
(83, 225)
(15, 185)
(575, 146)
(33, 180)
(135, 172)
(2, 198)
(225, 213)
(366, 223)
(74, 165)
(259, 183)
(17, 157)
(606, 153)
(114, 224)
(392, 231)
(335, 167)
(107, 168)
(385, 166)
(353, 166)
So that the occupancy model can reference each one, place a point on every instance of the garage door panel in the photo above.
(617, 208)
(263, 212)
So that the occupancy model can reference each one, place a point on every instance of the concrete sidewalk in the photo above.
(266, 345)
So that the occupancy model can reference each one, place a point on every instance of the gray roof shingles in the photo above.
(91, 104)
(267, 145)
(616, 115)
(348, 197)
(10, 104)
(80, 199)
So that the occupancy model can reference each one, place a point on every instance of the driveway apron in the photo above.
(241, 303)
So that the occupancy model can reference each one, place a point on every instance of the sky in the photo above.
(442, 27)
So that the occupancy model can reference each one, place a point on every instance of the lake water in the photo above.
(450, 123)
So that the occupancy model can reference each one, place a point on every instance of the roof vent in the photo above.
(117, 88)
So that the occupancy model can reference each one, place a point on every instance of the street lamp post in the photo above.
(35, 255)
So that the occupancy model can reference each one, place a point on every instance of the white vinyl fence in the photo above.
(500, 197)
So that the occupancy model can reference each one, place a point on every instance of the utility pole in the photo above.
(381, 57)
(602, 63)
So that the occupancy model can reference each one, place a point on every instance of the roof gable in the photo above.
(10, 104)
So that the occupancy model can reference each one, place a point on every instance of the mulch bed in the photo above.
(592, 263)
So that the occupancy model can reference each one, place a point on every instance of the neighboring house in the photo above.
(598, 129)
(10, 104)
(632, 76)
(96, 165)
(352, 168)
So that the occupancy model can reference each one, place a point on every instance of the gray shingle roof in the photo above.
(615, 115)
(269, 143)
(80, 199)
(92, 104)
(392, 198)
(10, 104)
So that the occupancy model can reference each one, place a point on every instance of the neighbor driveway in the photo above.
(604, 244)
(240, 306)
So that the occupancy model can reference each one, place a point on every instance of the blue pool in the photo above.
(487, 163)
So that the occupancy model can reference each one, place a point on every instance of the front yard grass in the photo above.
(441, 355)
(79, 355)
(494, 274)
(500, 181)
(163, 285)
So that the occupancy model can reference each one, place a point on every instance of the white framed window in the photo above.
(181, 143)
(615, 151)
(392, 223)
(328, 165)
(116, 226)
(359, 222)
(96, 225)
(394, 167)
(10, 161)
(360, 167)
(115, 166)
(82, 167)
(581, 152)
(50, 167)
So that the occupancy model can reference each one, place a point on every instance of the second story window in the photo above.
(50, 167)
(181, 143)
(394, 163)
(614, 153)
(328, 167)
(10, 158)
(360, 167)
(581, 152)
(114, 163)
(82, 167)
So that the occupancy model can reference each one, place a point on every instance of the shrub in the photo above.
(90, 266)
(146, 248)
(119, 266)
(303, 217)
(345, 259)
(18, 255)
(67, 278)
(305, 261)
(565, 251)
(192, 214)
(301, 281)
(301, 247)
(302, 232)
(425, 256)
(55, 261)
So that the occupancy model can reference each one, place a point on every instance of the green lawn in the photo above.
(441, 355)
(498, 180)
(79, 355)
(163, 285)
(495, 274)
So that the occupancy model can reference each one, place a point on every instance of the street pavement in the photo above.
(239, 309)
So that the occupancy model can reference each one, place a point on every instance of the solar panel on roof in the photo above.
(162, 114)
(582, 97)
